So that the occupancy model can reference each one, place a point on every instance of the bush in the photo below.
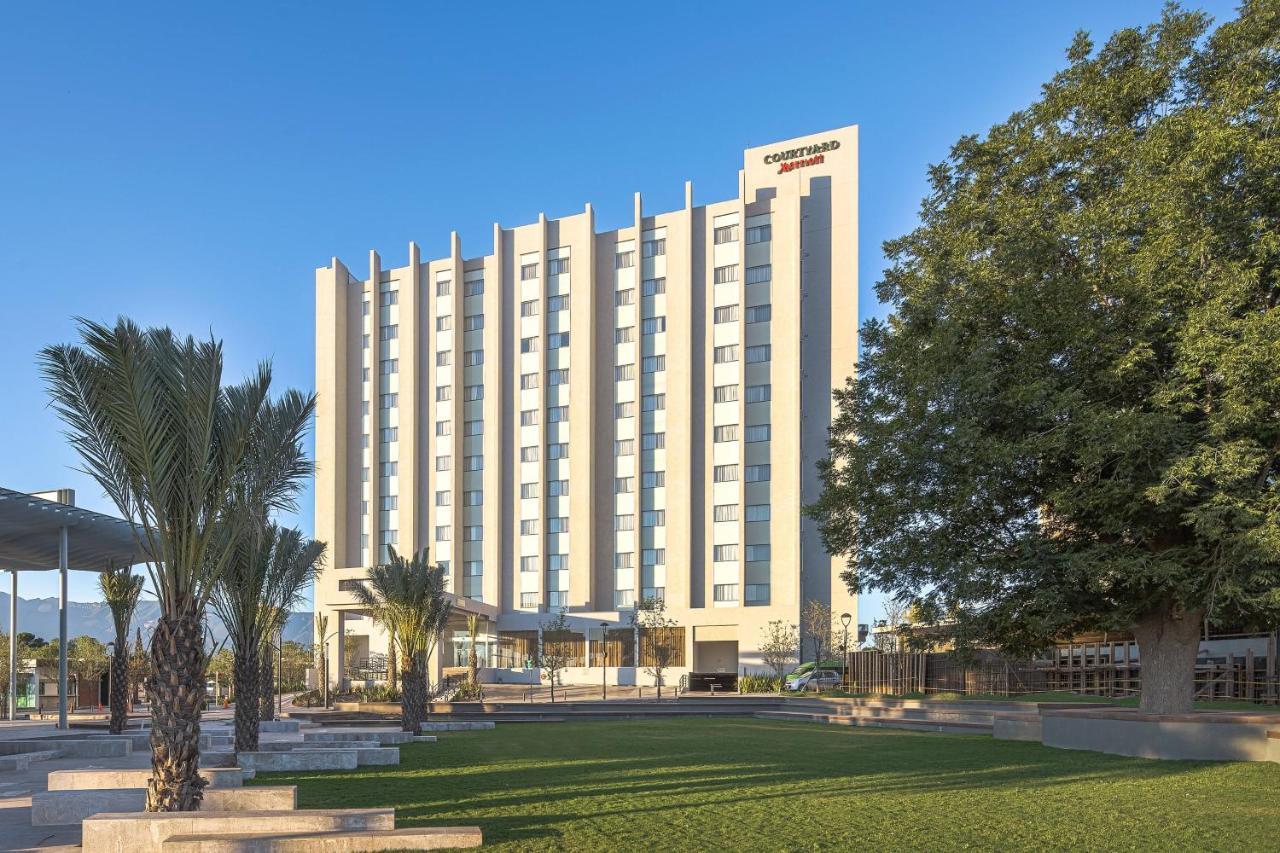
(308, 699)
(468, 692)
(758, 684)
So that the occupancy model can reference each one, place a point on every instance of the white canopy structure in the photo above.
(47, 532)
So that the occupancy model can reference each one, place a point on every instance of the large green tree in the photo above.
(1071, 418)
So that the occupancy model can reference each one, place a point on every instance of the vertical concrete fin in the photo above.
(688, 195)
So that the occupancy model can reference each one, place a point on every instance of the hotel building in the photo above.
(577, 420)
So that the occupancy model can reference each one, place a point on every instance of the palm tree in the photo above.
(168, 443)
(408, 596)
(473, 661)
(120, 589)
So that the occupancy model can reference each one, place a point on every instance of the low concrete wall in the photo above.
(300, 759)
(1273, 745)
(145, 832)
(292, 726)
(457, 726)
(60, 808)
(141, 741)
(409, 838)
(91, 780)
(217, 758)
(387, 737)
(70, 747)
(1017, 727)
(1213, 737)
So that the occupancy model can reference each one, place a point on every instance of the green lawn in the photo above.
(698, 784)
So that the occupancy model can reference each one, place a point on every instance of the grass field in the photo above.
(701, 784)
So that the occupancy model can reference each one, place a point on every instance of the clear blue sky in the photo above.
(191, 166)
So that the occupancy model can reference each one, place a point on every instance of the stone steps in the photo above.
(947, 727)
(457, 725)
(386, 738)
(69, 747)
(69, 807)
(146, 832)
(301, 759)
(24, 760)
(410, 838)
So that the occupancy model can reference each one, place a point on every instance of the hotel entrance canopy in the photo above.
(39, 534)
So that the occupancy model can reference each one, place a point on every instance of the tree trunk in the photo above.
(176, 689)
(1168, 641)
(266, 686)
(245, 678)
(119, 698)
(413, 697)
(391, 661)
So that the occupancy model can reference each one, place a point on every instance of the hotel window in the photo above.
(364, 374)
(444, 358)
(474, 463)
(726, 512)
(557, 340)
(387, 434)
(624, 485)
(728, 432)
(623, 598)
(758, 393)
(475, 427)
(653, 325)
(388, 401)
(364, 308)
(725, 553)
(624, 410)
(654, 363)
(444, 567)
(624, 335)
(725, 473)
(528, 527)
(474, 357)
(557, 488)
(388, 333)
(757, 553)
(557, 266)
(623, 372)
(653, 402)
(759, 313)
(624, 560)
(444, 322)
(444, 393)
(528, 490)
(475, 287)
(529, 308)
(558, 450)
(757, 593)
(529, 417)
(472, 322)
(556, 414)
(528, 381)
(760, 274)
(725, 592)
(388, 297)
(653, 441)
(473, 497)
(473, 532)
(557, 562)
(528, 600)
(757, 473)
(389, 366)
(444, 428)
(623, 260)
(726, 234)
(474, 392)
(726, 275)
(442, 533)
(364, 407)
(653, 557)
(653, 479)
(364, 442)
(653, 286)
(528, 564)
(364, 475)
(386, 503)
(653, 248)
(528, 271)
(444, 288)
(529, 454)
(653, 593)
(442, 463)
(529, 344)
(444, 497)
(624, 447)
(758, 512)
(558, 524)
(624, 297)
(727, 314)
(364, 341)
(559, 376)
(760, 432)
(474, 573)
(759, 233)
(726, 393)
(758, 354)
(558, 303)
(654, 518)
(726, 354)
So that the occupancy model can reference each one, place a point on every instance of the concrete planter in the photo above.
(91, 780)
(145, 832)
(301, 759)
(1201, 736)
(60, 808)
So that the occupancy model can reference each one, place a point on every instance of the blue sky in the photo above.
(192, 166)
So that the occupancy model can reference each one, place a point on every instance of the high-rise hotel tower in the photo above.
(574, 419)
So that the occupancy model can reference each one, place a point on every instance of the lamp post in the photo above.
(845, 619)
(604, 663)
(324, 645)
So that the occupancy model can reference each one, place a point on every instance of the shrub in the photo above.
(757, 684)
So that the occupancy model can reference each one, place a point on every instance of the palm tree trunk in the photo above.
(266, 686)
(119, 698)
(391, 660)
(176, 689)
(245, 676)
(413, 697)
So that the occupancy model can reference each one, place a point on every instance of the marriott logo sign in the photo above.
(798, 158)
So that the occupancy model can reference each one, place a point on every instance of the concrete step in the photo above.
(386, 738)
(878, 722)
(93, 779)
(146, 832)
(69, 747)
(457, 726)
(409, 838)
(303, 759)
(24, 760)
(61, 808)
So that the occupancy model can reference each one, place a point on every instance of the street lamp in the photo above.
(845, 619)
(604, 663)
(324, 646)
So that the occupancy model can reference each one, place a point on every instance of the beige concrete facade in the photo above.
(579, 420)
